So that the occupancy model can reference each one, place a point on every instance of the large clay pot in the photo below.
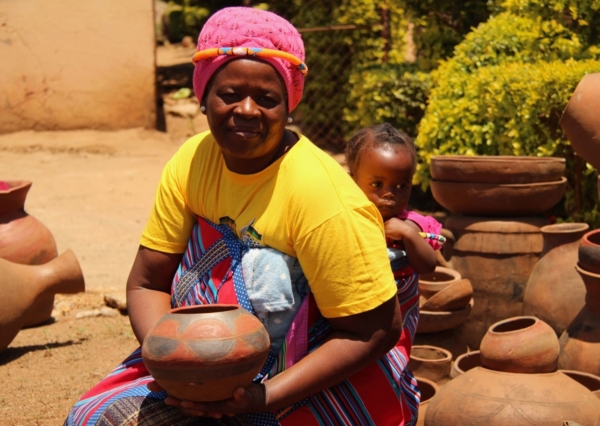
(430, 362)
(520, 345)
(555, 291)
(24, 285)
(428, 390)
(496, 398)
(496, 168)
(589, 252)
(497, 255)
(581, 119)
(25, 240)
(203, 353)
(495, 199)
(580, 342)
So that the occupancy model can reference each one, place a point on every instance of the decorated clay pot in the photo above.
(442, 277)
(497, 256)
(204, 353)
(430, 362)
(520, 345)
(580, 119)
(496, 398)
(555, 291)
(25, 240)
(465, 362)
(580, 342)
(495, 199)
(589, 252)
(496, 168)
(453, 297)
(23, 286)
(428, 390)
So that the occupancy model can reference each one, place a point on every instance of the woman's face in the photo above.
(246, 110)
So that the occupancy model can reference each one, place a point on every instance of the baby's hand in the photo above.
(396, 229)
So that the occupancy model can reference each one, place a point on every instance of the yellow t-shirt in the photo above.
(304, 205)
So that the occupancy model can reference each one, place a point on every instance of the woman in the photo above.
(265, 197)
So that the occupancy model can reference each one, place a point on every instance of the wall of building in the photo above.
(72, 64)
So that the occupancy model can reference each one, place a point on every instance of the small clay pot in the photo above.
(589, 252)
(453, 297)
(203, 353)
(491, 199)
(428, 390)
(430, 362)
(496, 168)
(464, 363)
(520, 345)
(442, 277)
(431, 322)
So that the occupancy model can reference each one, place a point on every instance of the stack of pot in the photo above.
(496, 203)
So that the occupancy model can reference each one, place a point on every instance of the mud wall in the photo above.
(72, 64)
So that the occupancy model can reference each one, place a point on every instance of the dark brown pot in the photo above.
(25, 240)
(430, 362)
(465, 362)
(496, 398)
(580, 119)
(203, 353)
(428, 390)
(555, 291)
(580, 342)
(497, 255)
(496, 168)
(589, 252)
(520, 345)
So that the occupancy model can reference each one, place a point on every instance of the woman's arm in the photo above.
(421, 256)
(148, 288)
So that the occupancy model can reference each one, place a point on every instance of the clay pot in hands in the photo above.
(555, 291)
(581, 119)
(430, 362)
(25, 285)
(25, 240)
(204, 353)
(520, 345)
(589, 252)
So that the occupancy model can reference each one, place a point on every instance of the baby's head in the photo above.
(382, 161)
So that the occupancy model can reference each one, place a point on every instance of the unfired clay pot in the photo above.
(580, 342)
(25, 240)
(555, 291)
(497, 255)
(428, 390)
(465, 362)
(581, 119)
(23, 286)
(496, 168)
(492, 199)
(442, 277)
(520, 345)
(203, 353)
(430, 362)
(589, 252)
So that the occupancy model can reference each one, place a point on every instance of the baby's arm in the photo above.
(421, 255)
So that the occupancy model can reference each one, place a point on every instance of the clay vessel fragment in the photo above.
(25, 240)
(203, 353)
(589, 252)
(24, 285)
(581, 119)
(555, 291)
(428, 390)
(430, 362)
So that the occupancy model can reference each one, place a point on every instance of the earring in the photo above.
(202, 109)
(290, 120)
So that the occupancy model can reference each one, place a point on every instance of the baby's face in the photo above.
(385, 176)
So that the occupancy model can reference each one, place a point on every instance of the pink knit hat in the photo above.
(251, 28)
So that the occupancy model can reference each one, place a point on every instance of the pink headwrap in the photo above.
(252, 28)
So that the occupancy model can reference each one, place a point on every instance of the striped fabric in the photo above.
(384, 393)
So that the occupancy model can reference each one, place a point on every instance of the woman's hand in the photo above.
(421, 256)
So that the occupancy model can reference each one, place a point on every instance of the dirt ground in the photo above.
(94, 191)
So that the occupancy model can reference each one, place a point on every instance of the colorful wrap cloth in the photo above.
(384, 393)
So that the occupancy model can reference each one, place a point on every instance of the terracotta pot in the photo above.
(497, 255)
(496, 168)
(431, 322)
(589, 252)
(465, 362)
(25, 285)
(590, 381)
(442, 277)
(203, 353)
(496, 398)
(580, 342)
(555, 291)
(491, 199)
(428, 390)
(454, 297)
(520, 345)
(580, 119)
(451, 340)
(430, 362)
(25, 240)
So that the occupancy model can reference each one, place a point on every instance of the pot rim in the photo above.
(463, 356)
(15, 185)
(447, 353)
(497, 158)
(513, 319)
(586, 272)
(449, 313)
(480, 186)
(565, 228)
